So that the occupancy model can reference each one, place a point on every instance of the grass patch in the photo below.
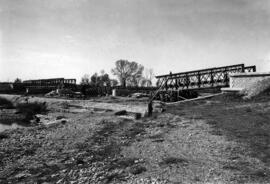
(101, 145)
(173, 160)
(261, 173)
(5, 103)
(105, 151)
(212, 122)
(113, 177)
(65, 105)
(227, 97)
(156, 136)
(137, 128)
(245, 123)
(122, 163)
(30, 109)
(126, 162)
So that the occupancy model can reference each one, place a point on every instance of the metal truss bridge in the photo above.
(195, 80)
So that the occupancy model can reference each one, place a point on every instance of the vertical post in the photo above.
(212, 78)
(226, 77)
(166, 85)
(199, 79)
(158, 82)
(187, 80)
(243, 68)
(178, 95)
(150, 108)
(178, 83)
(170, 85)
(175, 84)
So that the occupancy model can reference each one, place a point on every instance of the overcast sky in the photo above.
(69, 38)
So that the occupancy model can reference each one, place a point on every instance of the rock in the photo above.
(158, 140)
(60, 181)
(137, 169)
(156, 134)
(139, 95)
(63, 121)
(21, 175)
(3, 135)
(60, 117)
(138, 115)
(80, 162)
(119, 113)
(158, 107)
(35, 120)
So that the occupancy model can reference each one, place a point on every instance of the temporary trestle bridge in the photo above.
(176, 86)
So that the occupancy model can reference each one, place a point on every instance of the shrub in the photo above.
(6, 103)
(30, 109)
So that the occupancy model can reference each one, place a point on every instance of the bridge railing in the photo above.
(250, 68)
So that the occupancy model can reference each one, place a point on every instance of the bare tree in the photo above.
(128, 72)
(148, 76)
(94, 79)
(100, 80)
(18, 80)
(104, 79)
(85, 80)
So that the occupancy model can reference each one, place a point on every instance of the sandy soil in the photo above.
(218, 140)
(110, 103)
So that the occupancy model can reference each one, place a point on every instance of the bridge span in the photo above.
(172, 85)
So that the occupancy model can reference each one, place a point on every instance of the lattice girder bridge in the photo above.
(198, 79)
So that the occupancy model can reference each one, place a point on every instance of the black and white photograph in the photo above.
(134, 91)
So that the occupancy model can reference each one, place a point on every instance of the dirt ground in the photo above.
(218, 140)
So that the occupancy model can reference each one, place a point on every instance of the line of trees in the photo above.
(128, 73)
(102, 79)
(18, 81)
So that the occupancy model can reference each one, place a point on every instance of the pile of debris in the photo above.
(139, 95)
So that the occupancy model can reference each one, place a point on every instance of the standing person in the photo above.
(150, 108)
